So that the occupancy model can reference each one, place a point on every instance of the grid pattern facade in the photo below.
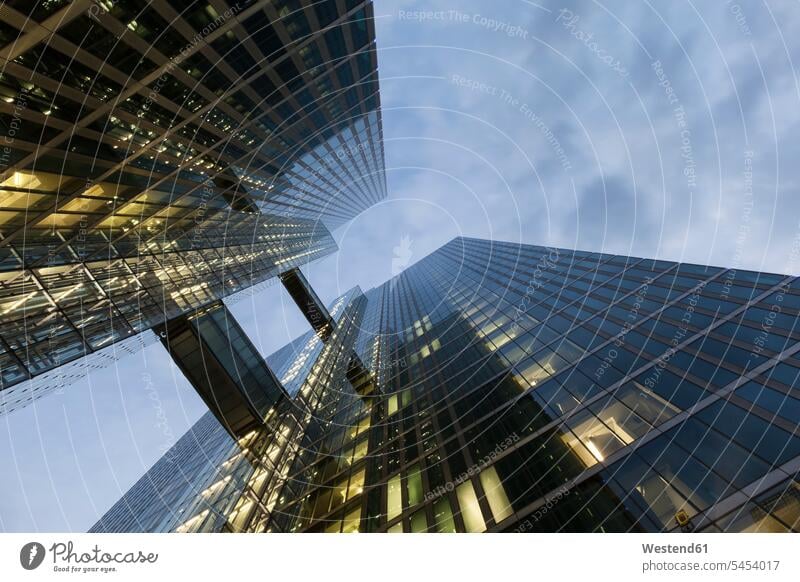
(242, 488)
(184, 472)
(160, 156)
(523, 388)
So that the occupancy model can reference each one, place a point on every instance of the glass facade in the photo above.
(184, 472)
(522, 388)
(158, 157)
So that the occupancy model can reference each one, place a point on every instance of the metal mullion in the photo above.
(176, 21)
(128, 90)
(35, 32)
(714, 396)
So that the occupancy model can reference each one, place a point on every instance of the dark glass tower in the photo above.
(521, 388)
(158, 157)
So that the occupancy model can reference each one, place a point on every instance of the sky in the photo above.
(639, 128)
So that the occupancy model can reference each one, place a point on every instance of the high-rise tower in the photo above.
(158, 157)
(521, 388)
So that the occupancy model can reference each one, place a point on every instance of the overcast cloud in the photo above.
(641, 128)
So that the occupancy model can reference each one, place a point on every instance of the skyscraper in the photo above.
(522, 388)
(159, 157)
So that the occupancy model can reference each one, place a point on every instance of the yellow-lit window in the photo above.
(470, 508)
(592, 440)
(361, 450)
(356, 485)
(19, 200)
(36, 181)
(57, 220)
(83, 205)
(625, 423)
(346, 458)
(241, 513)
(359, 428)
(339, 495)
(394, 501)
(396, 528)
(352, 521)
(393, 404)
(495, 494)
(6, 217)
(113, 221)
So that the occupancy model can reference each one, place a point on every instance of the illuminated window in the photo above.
(346, 458)
(356, 485)
(193, 523)
(495, 494)
(592, 440)
(361, 450)
(470, 508)
(352, 521)
(358, 429)
(625, 423)
(394, 502)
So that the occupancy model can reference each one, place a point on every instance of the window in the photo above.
(592, 435)
(352, 521)
(414, 486)
(625, 423)
(356, 485)
(646, 403)
(361, 450)
(772, 400)
(721, 454)
(470, 508)
(751, 519)
(394, 502)
(532, 372)
(693, 480)
(783, 501)
(680, 392)
(443, 516)
(555, 398)
(495, 494)
(772, 444)
(419, 523)
(650, 490)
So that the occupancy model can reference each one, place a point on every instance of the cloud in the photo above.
(474, 162)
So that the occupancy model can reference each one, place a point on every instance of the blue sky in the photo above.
(641, 128)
